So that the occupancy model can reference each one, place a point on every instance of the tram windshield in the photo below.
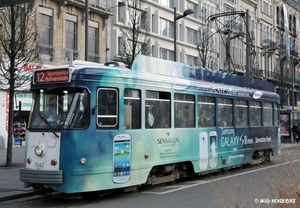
(60, 108)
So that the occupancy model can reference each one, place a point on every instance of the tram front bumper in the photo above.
(41, 176)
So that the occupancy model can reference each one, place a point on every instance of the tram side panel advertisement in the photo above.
(121, 158)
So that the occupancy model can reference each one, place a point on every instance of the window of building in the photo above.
(93, 44)
(206, 111)
(265, 7)
(157, 109)
(166, 54)
(144, 21)
(167, 3)
(121, 13)
(107, 108)
(71, 39)
(229, 19)
(192, 60)
(265, 32)
(132, 109)
(145, 49)
(241, 113)
(45, 33)
(166, 28)
(192, 36)
(121, 46)
(192, 6)
(184, 115)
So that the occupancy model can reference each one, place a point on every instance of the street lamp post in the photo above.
(86, 29)
(185, 13)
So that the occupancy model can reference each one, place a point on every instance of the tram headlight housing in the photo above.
(40, 150)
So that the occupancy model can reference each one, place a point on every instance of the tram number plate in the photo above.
(39, 165)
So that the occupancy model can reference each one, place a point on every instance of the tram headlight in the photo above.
(40, 150)
(82, 161)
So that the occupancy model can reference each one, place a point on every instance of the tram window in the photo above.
(255, 113)
(267, 114)
(107, 107)
(276, 114)
(225, 112)
(157, 109)
(207, 112)
(241, 113)
(132, 109)
(184, 115)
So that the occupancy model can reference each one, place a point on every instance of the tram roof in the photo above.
(154, 66)
(180, 70)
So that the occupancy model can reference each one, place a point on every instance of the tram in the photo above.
(103, 127)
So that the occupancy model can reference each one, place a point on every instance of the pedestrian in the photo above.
(296, 132)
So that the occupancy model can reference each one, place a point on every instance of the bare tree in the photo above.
(207, 54)
(206, 50)
(135, 32)
(18, 50)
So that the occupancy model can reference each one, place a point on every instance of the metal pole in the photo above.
(247, 47)
(265, 53)
(86, 28)
(175, 47)
(293, 86)
(228, 51)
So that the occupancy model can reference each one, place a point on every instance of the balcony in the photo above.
(229, 24)
(294, 53)
(257, 73)
(46, 51)
(100, 7)
(94, 58)
(239, 67)
(268, 43)
(67, 54)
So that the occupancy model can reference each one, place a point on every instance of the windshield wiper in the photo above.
(47, 122)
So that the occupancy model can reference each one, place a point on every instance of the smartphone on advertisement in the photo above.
(121, 158)
(213, 149)
(203, 150)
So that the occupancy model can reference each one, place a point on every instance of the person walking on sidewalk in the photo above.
(296, 132)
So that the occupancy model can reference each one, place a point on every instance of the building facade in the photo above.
(217, 28)
(265, 28)
(62, 30)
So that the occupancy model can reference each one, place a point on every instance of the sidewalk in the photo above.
(10, 184)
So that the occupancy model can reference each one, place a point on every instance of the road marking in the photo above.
(173, 188)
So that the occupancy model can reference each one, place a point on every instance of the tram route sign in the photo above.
(5, 3)
(51, 76)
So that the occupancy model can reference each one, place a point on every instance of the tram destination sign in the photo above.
(5, 3)
(51, 76)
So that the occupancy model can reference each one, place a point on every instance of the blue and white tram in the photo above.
(96, 128)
